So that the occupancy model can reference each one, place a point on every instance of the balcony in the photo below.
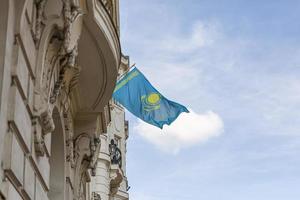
(99, 56)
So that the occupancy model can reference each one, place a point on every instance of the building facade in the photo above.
(62, 137)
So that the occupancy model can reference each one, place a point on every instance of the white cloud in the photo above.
(201, 35)
(189, 129)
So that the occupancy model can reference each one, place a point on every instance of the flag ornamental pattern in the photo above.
(139, 97)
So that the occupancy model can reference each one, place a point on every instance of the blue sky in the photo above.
(236, 65)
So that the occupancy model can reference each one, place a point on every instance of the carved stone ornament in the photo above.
(68, 122)
(69, 73)
(39, 143)
(60, 68)
(43, 109)
(87, 147)
(70, 153)
(116, 178)
(47, 122)
(73, 24)
(68, 76)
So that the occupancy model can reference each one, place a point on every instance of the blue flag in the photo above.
(139, 97)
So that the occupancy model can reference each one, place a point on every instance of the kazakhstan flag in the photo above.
(138, 96)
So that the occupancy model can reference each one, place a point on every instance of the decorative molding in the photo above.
(108, 5)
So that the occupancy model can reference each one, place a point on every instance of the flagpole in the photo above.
(121, 76)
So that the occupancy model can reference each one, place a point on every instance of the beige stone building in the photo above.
(61, 138)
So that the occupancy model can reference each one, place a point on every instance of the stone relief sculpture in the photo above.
(70, 70)
(116, 178)
(68, 76)
(87, 148)
(60, 70)
(49, 72)
(39, 143)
